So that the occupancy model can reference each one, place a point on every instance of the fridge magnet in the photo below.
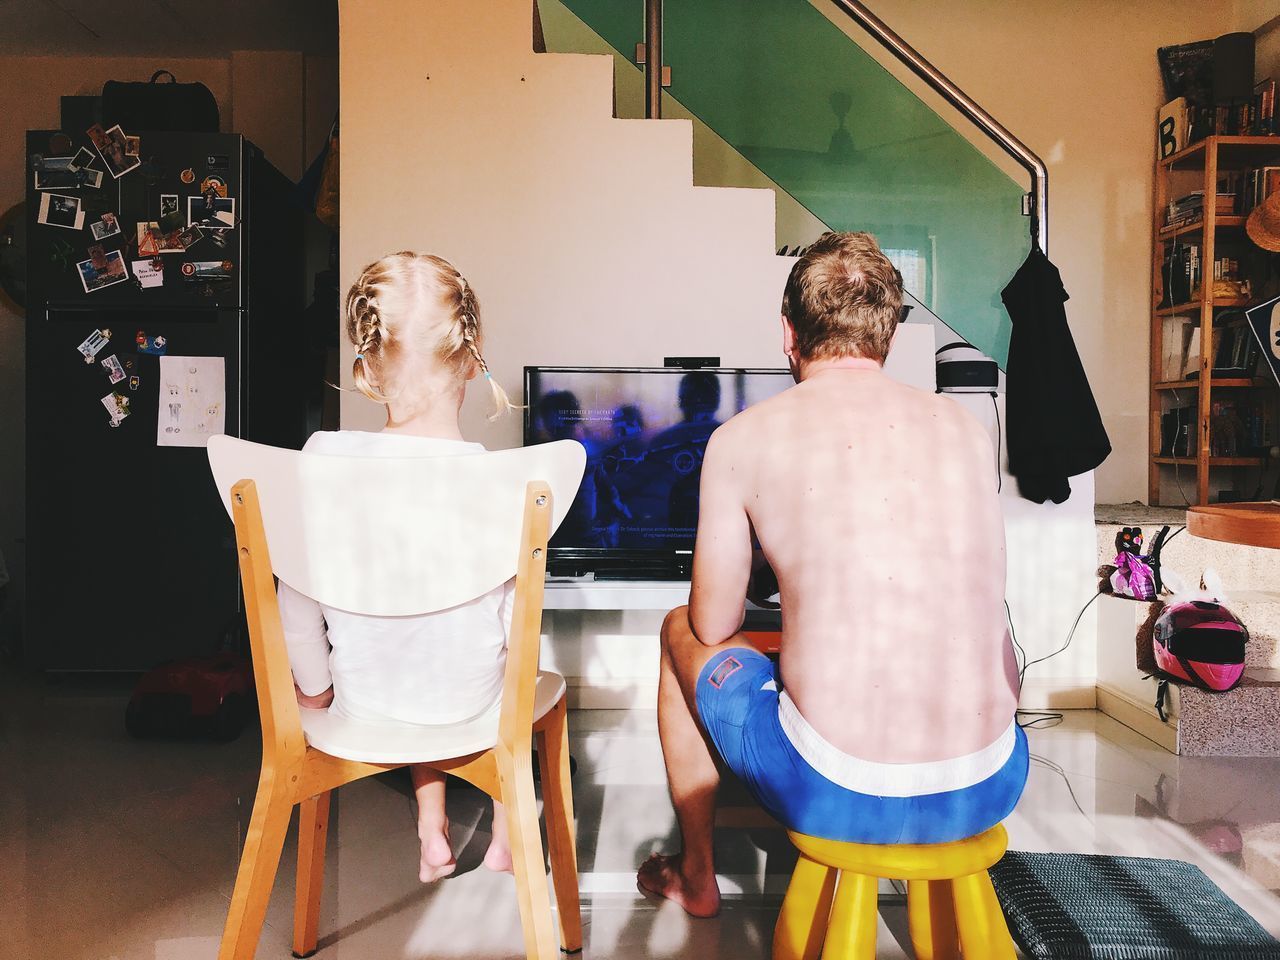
(98, 256)
(59, 210)
(114, 368)
(152, 346)
(134, 382)
(117, 405)
(168, 205)
(187, 176)
(108, 226)
(57, 173)
(207, 270)
(53, 173)
(83, 157)
(214, 183)
(219, 238)
(132, 146)
(148, 274)
(94, 279)
(211, 212)
(218, 161)
(112, 148)
(93, 343)
(192, 406)
(152, 240)
(189, 236)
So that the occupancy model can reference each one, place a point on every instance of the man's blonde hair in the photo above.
(843, 298)
(407, 308)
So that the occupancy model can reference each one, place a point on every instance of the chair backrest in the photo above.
(389, 538)
(395, 537)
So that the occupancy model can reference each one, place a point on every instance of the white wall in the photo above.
(582, 234)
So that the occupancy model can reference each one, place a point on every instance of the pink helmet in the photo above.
(1200, 642)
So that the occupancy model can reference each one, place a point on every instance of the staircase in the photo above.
(1244, 722)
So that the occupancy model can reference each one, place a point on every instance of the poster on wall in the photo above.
(193, 400)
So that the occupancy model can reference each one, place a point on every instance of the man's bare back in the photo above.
(875, 504)
(890, 716)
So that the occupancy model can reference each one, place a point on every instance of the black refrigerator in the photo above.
(131, 557)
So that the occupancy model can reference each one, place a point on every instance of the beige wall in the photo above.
(582, 234)
(262, 95)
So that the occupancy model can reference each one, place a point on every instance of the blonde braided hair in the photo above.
(407, 306)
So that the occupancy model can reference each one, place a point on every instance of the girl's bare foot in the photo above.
(437, 856)
(498, 856)
(664, 876)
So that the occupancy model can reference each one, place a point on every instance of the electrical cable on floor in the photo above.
(1042, 719)
(1056, 768)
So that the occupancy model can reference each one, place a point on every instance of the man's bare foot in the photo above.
(437, 856)
(663, 876)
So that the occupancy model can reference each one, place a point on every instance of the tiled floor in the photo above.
(112, 848)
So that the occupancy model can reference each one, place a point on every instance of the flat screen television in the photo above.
(645, 431)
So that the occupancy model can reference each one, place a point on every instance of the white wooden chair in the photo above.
(393, 538)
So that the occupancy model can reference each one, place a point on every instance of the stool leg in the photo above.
(802, 922)
(983, 932)
(854, 921)
(931, 917)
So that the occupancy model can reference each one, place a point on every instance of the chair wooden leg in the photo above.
(259, 862)
(557, 809)
(931, 918)
(802, 922)
(854, 919)
(313, 829)
(983, 932)
(532, 890)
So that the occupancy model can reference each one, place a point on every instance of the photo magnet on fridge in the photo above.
(84, 156)
(108, 226)
(207, 270)
(114, 368)
(169, 205)
(93, 343)
(93, 279)
(153, 240)
(112, 147)
(211, 212)
(54, 173)
(59, 210)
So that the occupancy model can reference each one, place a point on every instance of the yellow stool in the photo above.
(951, 907)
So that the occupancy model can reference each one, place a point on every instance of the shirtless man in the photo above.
(891, 718)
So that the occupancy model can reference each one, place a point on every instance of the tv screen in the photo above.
(645, 431)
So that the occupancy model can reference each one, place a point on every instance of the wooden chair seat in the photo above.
(410, 743)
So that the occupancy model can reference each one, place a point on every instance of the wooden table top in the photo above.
(1253, 524)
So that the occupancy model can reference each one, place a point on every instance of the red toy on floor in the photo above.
(199, 696)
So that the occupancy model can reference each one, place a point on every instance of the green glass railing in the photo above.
(789, 90)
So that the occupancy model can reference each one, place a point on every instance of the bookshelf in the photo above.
(1188, 386)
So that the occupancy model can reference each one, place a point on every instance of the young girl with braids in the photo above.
(415, 324)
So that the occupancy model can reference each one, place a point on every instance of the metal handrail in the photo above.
(922, 68)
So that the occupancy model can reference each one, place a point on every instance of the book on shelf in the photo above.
(1176, 435)
(1240, 427)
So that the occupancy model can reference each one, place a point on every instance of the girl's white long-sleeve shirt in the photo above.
(441, 667)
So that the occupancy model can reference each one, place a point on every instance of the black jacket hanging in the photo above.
(1054, 429)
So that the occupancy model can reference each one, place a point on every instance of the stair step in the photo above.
(1244, 722)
